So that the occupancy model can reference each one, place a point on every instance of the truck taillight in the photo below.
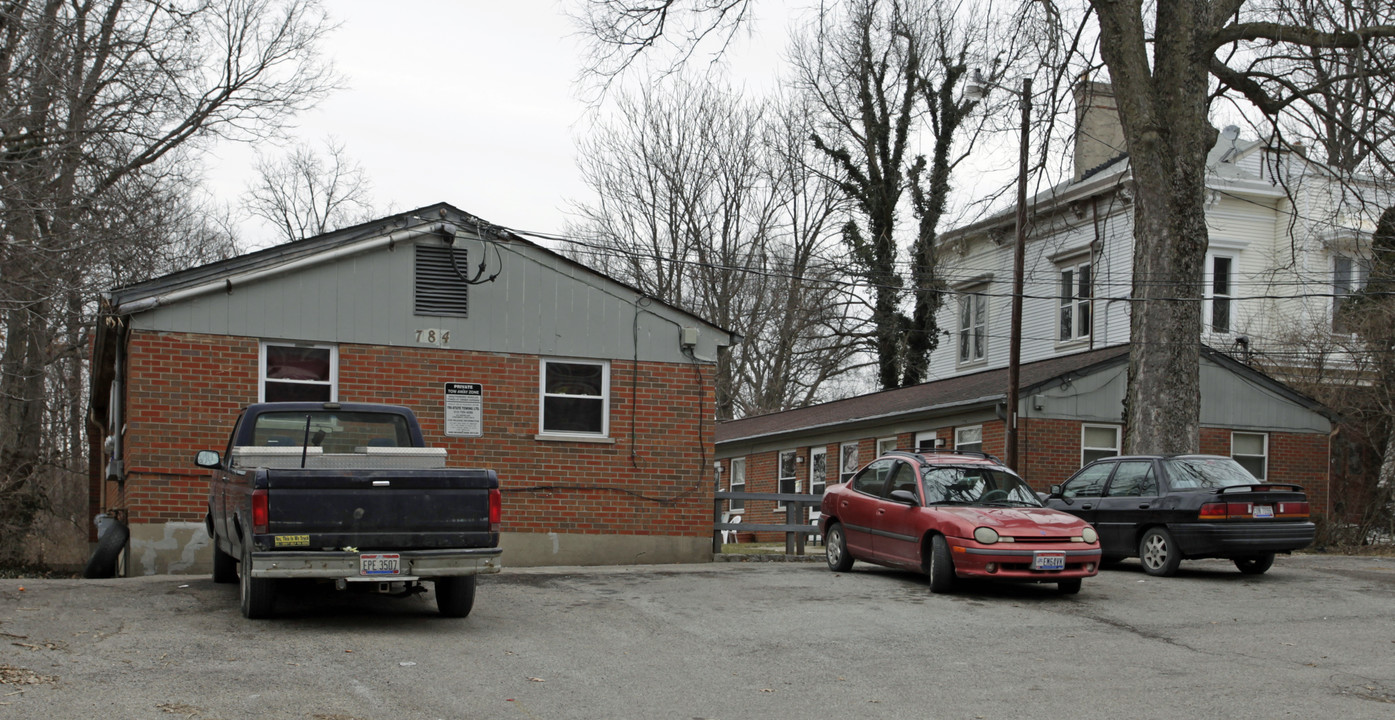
(496, 509)
(260, 514)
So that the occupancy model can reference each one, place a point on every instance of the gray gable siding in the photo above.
(540, 304)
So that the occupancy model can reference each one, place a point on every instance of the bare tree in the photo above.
(625, 31)
(305, 194)
(877, 72)
(705, 204)
(1162, 58)
(97, 101)
(1371, 314)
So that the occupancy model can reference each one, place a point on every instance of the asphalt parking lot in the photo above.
(1314, 637)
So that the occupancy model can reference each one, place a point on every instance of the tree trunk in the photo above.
(1163, 109)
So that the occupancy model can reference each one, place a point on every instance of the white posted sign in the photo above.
(464, 409)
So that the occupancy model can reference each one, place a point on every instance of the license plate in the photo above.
(379, 564)
(1264, 511)
(1048, 561)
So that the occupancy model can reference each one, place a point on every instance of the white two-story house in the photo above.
(1285, 246)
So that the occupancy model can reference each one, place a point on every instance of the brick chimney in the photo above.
(1099, 137)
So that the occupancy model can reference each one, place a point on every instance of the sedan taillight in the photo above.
(1213, 511)
(1292, 509)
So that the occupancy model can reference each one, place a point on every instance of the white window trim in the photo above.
(1356, 280)
(842, 458)
(932, 435)
(779, 468)
(885, 445)
(604, 434)
(972, 296)
(813, 453)
(959, 433)
(1075, 302)
(1118, 439)
(1209, 289)
(732, 485)
(333, 367)
(1265, 437)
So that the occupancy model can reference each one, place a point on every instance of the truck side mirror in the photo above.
(208, 459)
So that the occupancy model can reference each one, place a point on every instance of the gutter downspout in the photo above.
(445, 229)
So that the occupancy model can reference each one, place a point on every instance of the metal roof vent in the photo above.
(440, 288)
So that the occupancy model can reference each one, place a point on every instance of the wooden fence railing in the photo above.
(794, 529)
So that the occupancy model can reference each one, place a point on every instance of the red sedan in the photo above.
(954, 515)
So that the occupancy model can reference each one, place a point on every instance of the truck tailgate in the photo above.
(380, 509)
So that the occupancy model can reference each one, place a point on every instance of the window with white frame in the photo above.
(886, 445)
(927, 440)
(969, 439)
(738, 484)
(1346, 279)
(1076, 294)
(973, 327)
(575, 398)
(1220, 291)
(1098, 441)
(847, 461)
(818, 470)
(787, 479)
(298, 372)
(1251, 450)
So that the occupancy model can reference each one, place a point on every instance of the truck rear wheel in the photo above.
(455, 596)
(258, 595)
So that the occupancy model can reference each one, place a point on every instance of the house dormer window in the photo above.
(973, 327)
(1076, 293)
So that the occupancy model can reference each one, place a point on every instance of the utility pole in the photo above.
(1019, 250)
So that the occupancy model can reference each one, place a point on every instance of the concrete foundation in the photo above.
(177, 548)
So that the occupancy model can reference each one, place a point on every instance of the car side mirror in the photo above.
(208, 459)
(904, 496)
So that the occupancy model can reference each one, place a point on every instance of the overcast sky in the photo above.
(470, 102)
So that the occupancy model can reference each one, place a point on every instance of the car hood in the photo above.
(1015, 521)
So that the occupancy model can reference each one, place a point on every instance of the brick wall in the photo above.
(1047, 450)
(1049, 453)
(185, 390)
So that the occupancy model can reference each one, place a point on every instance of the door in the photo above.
(897, 537)
(818, 480)
(1127, 504)
(1080, 495)
(858, 505)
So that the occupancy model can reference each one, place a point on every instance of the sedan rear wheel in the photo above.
(835, 548)
(941, 570)
(1255, 564)
(1158, 553)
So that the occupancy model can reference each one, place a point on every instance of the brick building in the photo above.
(597, 402)
(1070, 412)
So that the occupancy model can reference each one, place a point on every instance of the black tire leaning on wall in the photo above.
(110, 545)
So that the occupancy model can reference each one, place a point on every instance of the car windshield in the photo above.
(1205, 473)
(976, 486)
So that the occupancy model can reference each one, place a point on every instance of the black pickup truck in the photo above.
(347, 493)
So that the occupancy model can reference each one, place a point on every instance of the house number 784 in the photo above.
(433, 336)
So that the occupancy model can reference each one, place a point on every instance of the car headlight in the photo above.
(987, 536)
(1089, 535)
